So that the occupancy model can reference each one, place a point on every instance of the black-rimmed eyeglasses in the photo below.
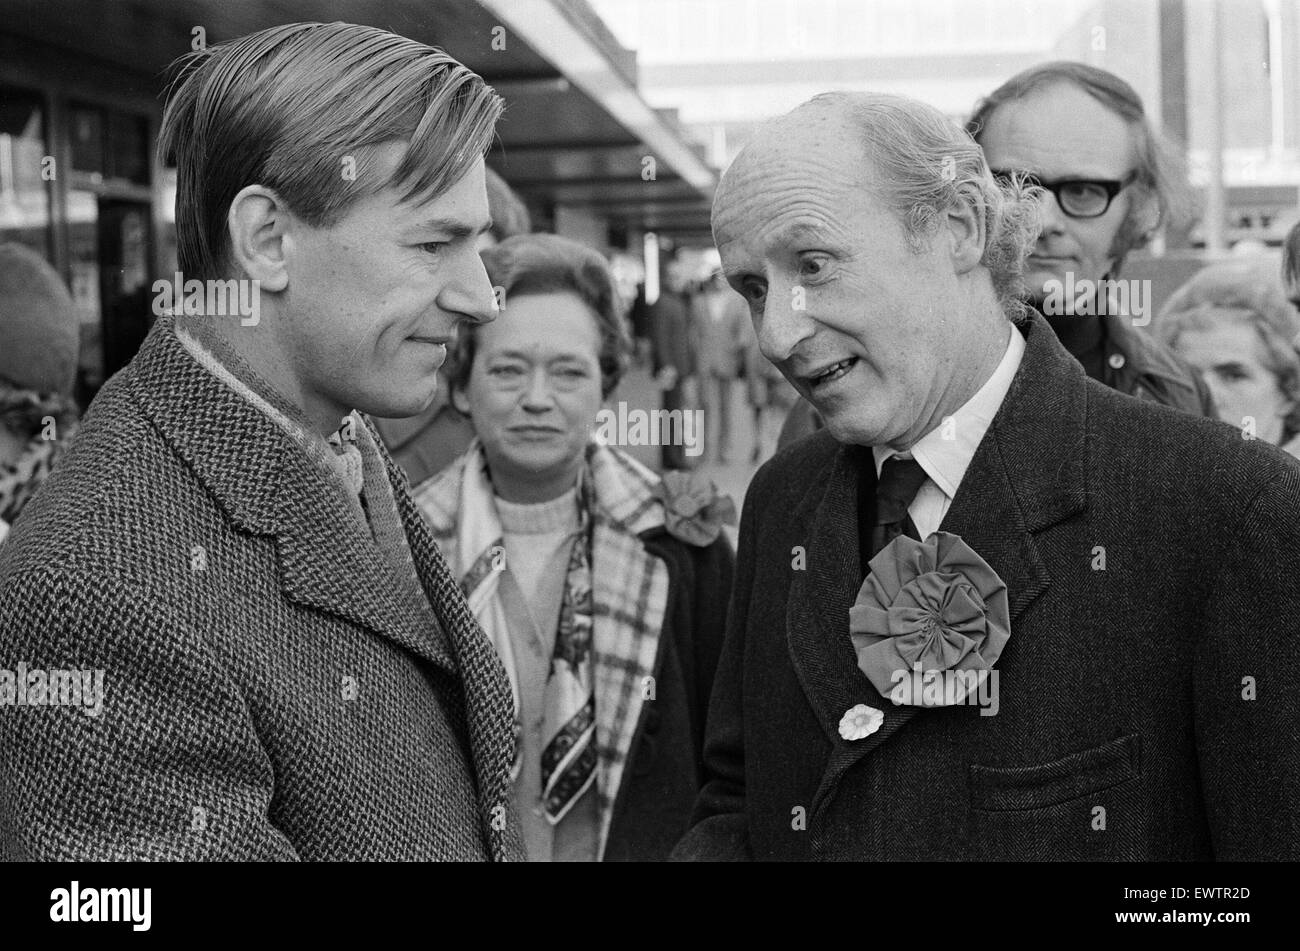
(1077, 197)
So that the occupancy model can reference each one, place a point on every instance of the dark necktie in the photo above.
(900, 480)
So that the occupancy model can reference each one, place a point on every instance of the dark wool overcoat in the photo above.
(1148, 703)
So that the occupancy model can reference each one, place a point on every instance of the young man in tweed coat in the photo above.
(286, 669)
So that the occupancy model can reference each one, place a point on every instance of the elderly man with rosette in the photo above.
(603, 587)
(290, 671)
(997, 610)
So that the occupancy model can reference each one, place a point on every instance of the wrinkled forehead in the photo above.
(1059, 131)
(792, 168)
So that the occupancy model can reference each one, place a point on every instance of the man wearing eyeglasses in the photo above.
(1082, 134)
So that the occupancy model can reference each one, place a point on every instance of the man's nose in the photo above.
(468, 293)
(1050, 214)
(783, 326)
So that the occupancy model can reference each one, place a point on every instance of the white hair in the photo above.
(927, 164)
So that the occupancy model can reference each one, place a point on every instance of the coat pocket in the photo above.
(1083, 806)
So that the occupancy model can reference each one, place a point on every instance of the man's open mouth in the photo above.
(831, 373)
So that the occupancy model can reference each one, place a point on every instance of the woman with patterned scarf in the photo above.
(603, 588)
(38, 364)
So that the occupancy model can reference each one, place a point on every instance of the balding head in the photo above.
(878, 256)
(912, 158)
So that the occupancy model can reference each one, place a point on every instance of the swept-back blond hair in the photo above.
(299, 109)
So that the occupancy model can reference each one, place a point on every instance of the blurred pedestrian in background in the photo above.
(770, 396)
(640, 324)
(1234, 325)
(426, 444)
(1291, 266)
(675, 354)
(720, 321)
(606, 604)
(39, 338)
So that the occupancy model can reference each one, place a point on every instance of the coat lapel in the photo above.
(817, 618)
(1026, 475)
(329, 562)
(489, 705)
(268, 485)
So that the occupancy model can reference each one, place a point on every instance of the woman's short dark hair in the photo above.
(548, 264)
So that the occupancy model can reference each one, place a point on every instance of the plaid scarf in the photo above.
(627, 591)
(569, 704)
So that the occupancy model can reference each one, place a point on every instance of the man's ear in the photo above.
(966, 231)
(257, 222)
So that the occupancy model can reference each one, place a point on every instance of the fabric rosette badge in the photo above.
(694, 509)
(930, 621)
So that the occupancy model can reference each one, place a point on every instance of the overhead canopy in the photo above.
(576, 132)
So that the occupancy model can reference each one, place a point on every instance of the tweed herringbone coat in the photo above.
(266, 694)
(1147, 701)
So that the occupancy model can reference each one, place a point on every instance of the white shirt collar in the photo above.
(945, 452)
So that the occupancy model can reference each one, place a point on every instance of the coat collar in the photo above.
(399, 433)
(624, 490)
(267, 485)
(1027, 474)
(1145, 361)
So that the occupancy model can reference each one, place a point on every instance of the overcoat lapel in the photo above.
(818, 622)
(1026, 475)
(489, 705)
(326, 560)
(268, 485)
(329, 562)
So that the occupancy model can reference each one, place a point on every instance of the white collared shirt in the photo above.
(945, 452)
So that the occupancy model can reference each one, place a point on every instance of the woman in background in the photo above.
(603, 587)
(1233, 324)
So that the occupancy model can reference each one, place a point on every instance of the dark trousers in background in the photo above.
(674, 456)
(716, 396)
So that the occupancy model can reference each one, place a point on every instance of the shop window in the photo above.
(87, 139)
(128, 148)
(111, 144)
(24, 186)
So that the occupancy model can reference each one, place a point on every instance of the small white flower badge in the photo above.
(860, 722)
